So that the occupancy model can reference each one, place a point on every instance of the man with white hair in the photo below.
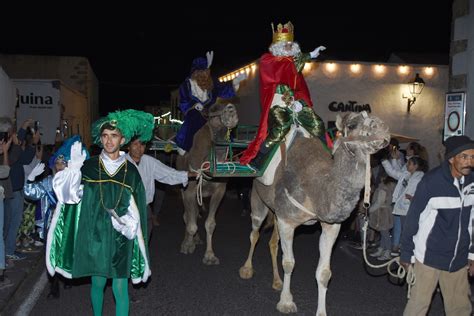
(284, 90)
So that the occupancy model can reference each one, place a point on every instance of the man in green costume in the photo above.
(98, 227)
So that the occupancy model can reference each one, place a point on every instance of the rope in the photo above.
(401, 273)
(200, 178)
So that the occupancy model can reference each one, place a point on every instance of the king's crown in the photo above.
(284, 33)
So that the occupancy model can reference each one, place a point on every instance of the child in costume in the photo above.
(42, 190)
(99, 225)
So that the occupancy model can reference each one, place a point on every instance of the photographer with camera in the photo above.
(20, 154)
(5, 142)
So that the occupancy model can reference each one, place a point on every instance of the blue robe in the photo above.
(193, 120)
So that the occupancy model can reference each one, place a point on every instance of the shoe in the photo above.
(38, 243)
(28, 250)
(385, 256)
(395, 252)
(16, 256)
(377, 253)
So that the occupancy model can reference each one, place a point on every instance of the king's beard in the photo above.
(278, 49)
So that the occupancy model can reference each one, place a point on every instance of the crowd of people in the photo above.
(93, 213)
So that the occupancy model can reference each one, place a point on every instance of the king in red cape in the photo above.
(281, 66)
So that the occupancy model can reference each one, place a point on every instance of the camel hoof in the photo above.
(287, 308)
(210, 259)
(245, 272)
(187, 248)
(277, 285)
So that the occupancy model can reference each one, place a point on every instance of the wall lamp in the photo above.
(415, 86)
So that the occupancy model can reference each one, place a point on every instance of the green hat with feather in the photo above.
(130, 123)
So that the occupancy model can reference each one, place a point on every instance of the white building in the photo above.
(337, 87)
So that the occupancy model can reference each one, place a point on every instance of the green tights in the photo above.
(120, 290)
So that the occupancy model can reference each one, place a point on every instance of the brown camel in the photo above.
(313, 186)
(221, 119)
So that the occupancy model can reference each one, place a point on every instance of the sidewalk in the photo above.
(23, 275)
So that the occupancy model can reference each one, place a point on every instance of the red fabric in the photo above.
(274, 71)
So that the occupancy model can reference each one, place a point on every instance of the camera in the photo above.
(35, 128)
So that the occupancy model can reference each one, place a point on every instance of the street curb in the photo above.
(23, 287)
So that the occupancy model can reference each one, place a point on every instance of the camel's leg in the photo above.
(323, 272)
(190, 220)
(216, 198)
(273, 244)
(287, 231)
(258, 214)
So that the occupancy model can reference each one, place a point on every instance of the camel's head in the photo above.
(223, 116)
(362, 133)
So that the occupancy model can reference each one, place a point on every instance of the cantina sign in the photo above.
(350, 106)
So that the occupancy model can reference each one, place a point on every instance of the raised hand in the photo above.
(78, 156)
(315, 53)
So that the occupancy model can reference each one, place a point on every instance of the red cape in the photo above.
(274, 71)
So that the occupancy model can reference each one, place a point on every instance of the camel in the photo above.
(221, 119)
(314, 186)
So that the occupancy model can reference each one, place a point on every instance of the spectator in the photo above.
(20, 154)
(438, 232)
(5, 142)
(402, 195)
(380, 215)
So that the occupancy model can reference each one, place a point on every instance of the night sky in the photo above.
(139, 59)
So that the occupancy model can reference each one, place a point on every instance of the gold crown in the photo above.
(284, 33)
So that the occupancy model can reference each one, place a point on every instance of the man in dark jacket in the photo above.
(437, 235)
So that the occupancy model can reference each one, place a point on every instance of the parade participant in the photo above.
(437, 235)
(152, 169)
(97, 229)
(42, 190)
(196, 94)
(283, 91)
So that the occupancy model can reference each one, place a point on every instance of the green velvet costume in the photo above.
(83, 241)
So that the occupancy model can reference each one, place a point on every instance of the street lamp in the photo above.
(415, 86)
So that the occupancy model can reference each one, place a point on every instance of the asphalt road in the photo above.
(183, 285)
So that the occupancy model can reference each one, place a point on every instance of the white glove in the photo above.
(209, 57)
(129, 228)
(315, 53)
(37, 170)
(198, 106)
(297, 106)
(238, 79)
(77, 156)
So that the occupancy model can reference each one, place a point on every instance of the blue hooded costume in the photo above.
(193, 119)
